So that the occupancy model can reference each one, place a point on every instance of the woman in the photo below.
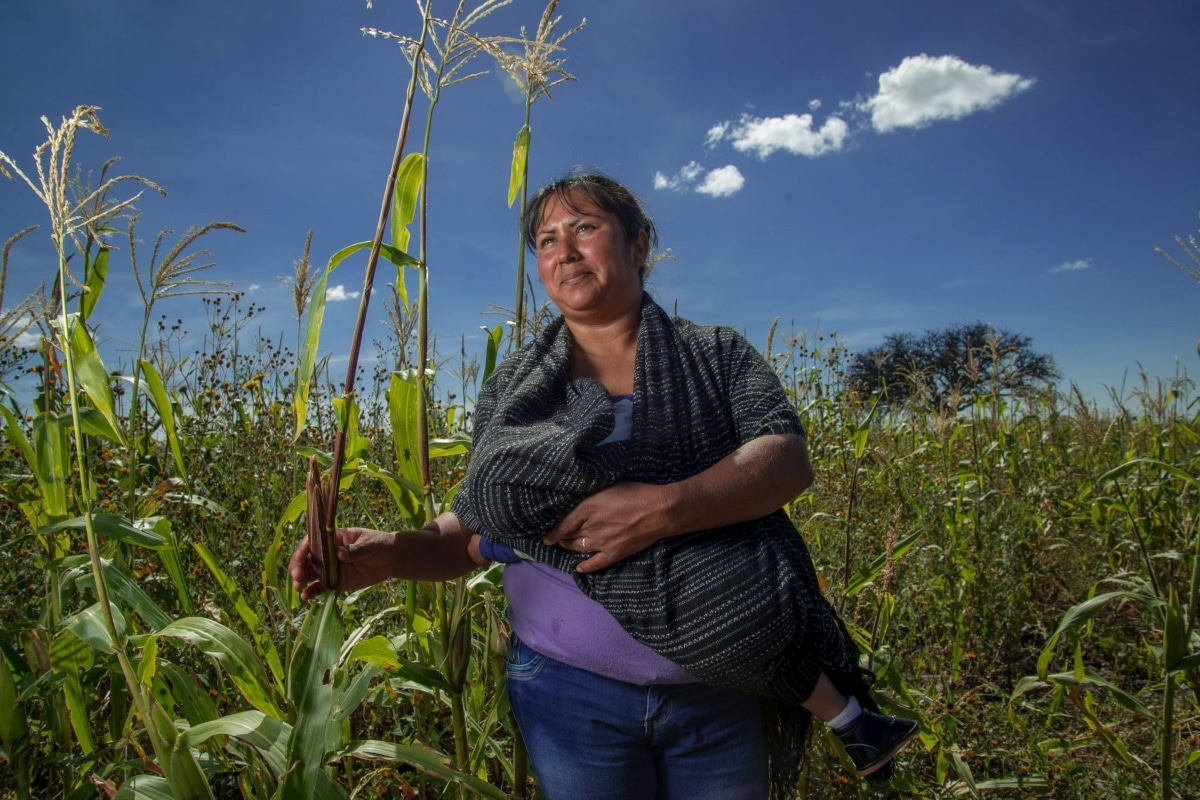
(632, 470)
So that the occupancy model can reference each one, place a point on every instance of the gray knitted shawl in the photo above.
(737, 606)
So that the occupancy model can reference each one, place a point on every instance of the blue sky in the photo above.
(861, 168)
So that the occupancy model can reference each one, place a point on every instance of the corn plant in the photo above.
(535, 71)
(1151, 499)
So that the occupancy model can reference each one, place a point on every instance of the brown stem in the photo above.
(339, 447)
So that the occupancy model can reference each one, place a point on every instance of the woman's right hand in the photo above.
(440, 551)
(365, 557)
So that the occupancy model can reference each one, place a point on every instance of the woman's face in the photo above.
(589, 269)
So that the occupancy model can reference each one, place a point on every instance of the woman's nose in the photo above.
(566, 251)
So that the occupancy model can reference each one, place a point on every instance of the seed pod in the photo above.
(321, 540)
(459, 655)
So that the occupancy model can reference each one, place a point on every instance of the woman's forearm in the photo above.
(439, 551)
(758, 478)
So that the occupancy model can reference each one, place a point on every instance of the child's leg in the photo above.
(825, 702)
(871, 740)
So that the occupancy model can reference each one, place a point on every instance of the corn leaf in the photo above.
(233, 654)
(421, 678)
(93, 423)
(1093, 678)
(93, 376)
(376, 651)
(867, 575)
(1175, 633)
(184, 775)
(182, 690)
(113, 526)
(1191, 661)
(963, 771)
(97, 275)
(89, 625)
(52, 450)
(347, 413)
(14, 729)
(16, 437)
(69, 655)
(326, 789)
(314, 317)
(406, 493)
(398, 257)
(454, 445)
(145, 787)
(520, 158)
(404, 209)
(168, 553)
(1081, 613)
(348, 701)
(265, 734)
(1122, 470)
(122, 587)
(495, 335)
(403, 398)
(310, 688)
(248, 615)
(423, 758)
(187, 780)
(166, 412)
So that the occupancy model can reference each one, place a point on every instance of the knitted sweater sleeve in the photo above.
(485, 407)
(759, 403)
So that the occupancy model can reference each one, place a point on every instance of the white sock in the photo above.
(848, 715)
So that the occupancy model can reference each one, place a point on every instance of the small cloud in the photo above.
(684, 178)
(252, 288)
(1073, 266)
(794, 133)
(813, 105)
(716, 133)
(722, 182)
(924, 89)
(28, 339)
(338, 293)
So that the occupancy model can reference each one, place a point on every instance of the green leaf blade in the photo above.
(520, 161)
(311, 692)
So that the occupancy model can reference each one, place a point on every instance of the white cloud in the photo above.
(1072, 266)
(682, 179)
(252, 288)
(722, 182)
(29, 338)
(716, 133)
(794, 133)
(924, 89)
(339, 293)
(813, 105)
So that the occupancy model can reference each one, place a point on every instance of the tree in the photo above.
(945, 367)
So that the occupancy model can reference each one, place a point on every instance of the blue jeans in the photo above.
(594, 738)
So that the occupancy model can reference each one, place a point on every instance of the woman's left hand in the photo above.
(613, 524)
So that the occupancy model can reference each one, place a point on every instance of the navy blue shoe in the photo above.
(873, 740)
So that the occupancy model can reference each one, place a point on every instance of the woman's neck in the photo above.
(606, 352)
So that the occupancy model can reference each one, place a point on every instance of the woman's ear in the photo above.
(641, 249)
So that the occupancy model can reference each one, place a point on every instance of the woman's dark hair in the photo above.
(603, 192)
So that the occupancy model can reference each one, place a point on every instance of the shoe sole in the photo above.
(882, 762)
